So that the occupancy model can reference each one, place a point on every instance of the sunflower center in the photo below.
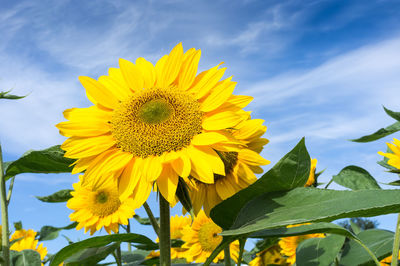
(155, 121)
(208, 236)
(105, 202)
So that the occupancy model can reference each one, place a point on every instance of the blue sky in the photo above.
(319, 69)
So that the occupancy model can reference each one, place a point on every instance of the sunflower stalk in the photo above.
(153, 220)
(4, 214)
(227, 256)
(165, 233)
(396, 243)
(128, 230)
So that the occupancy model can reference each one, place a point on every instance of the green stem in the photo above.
(4, 215)
(117, 260)
(153, 220)
(330, 182)
(369, 251)
(10, 188)
(227, 256)
(242, 242)
(165, 233)
(396, 243)
(128, 230)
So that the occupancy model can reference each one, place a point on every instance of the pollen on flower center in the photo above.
(105, 202)
(155, 121)
(208, 236)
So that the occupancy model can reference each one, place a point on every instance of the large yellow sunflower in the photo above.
(99, 204)
(311, 177)
(154, 123)
(240, 167)
(269, 256)
(394, 158)
(27, 241)
(289, 244)
(202, 238)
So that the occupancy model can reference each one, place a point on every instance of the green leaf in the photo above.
(90, 256)
(383, 132)
(183, 195)
(99, 241)
(137, 256)
(355, 178)
(25, 257)
(18, 225)
(59, 196)
(50, 160)
(380, 242)
(392, 114)
(306, 229)
(302, 205)
(144, 221)
(356, 229)
(48, 232)
(290, 172)
(319, 251)
(6, 95)
(395, 183)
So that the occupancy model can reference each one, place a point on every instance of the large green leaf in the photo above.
(90, 256)
(25, 257)
(380, 242)
(48, 232)
(383, 132)
(355, 178)
(59, 196)
(99, 241)
(301, 205)
(306, 229)
(290, 172)
(319, 251)
(50, 160)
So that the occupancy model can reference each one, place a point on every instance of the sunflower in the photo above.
(394, 158)
(387, 261)
(240, 167)
(311, 177)
(154, 124)
(269, 256)
(202, 238)
(98, 205)
(289, 244)
(27, 241)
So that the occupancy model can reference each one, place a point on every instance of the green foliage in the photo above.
(59, 196)
(183, 195)
(48, 232)
(301, 205)
(355, 178)
(319, 251)
(8, 96)
(144, 221)
(358, 224)
(25, 257)
(50, 160)
(18, 225)
(90, 256)
(380, 242)
(383, 132)
(100, 241)
(136, 256)
(392, 114)
(290, 172)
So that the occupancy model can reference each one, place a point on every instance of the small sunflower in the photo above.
(154, 124)
(387, 261)
(202, 238)
(289, 244)
(27, 241)
(240, 167)
(269, 256)
(99, 204)
(394, 158)
(311, 177)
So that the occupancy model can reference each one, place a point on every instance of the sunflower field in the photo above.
(182, 134)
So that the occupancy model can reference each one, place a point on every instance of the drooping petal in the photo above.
(167, 183)
(251, 158)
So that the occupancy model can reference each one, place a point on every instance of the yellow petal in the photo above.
(83, 128)
(167, 183)
(189, 70)
(159, 70)
(114, 84)
(208, 138)
(78, 147)
(82, 164)
(148, 72)
(171, 67)
(240, 100)
(99, 92)
(220, 93)
(201, 166)
(182, 165)
(250, 129)
(252, 158)
(206, 80)
(127, 180)
(152, 168)
(87, 114)
(132, 75)
(221, 121)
